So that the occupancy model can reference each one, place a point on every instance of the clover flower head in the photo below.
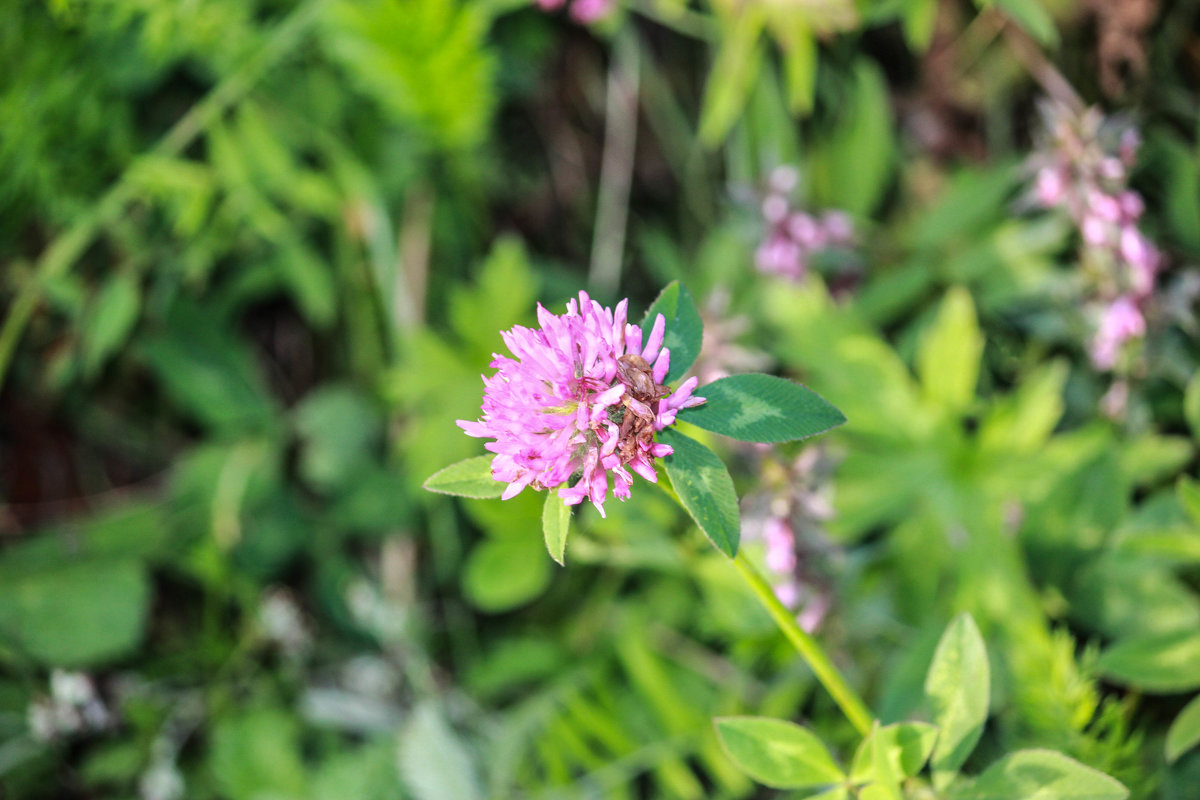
(580, 398)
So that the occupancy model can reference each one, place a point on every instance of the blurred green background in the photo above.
(256, 255)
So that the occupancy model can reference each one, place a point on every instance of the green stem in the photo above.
(829, 676)
(61, 255)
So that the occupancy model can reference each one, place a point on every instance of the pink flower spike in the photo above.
(1050, 187)
(1131, 205)
(588, 11)
(1094, 231)
(1106, 207)
(1121, 322)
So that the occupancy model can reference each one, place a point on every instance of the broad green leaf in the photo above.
(799, 45)
(1184, 733)
(1191, 405)
(1188, 492)
(704, 488)
(1177, 170)
(367, 772)
(434, 762)
(956, 688)
(738, 60)
(1118, 596)
(1033, 18)
(1178, 544)
(968, 207)
(836, 793)
(920, 18)
(1149, 459)
(556, 520)
(76, 614)
(338, 427)
(210, 373)
(1024, 420)
(852, 167)
(119, 762)
(684, 331)
(110, 320)
(501, 574)
(778, 753)
(309, 279)
(256, 754)
(471, 477)
(762, 408)
(892, 753)
(501, 293)
(948, 357)
(513, 519)
(1162, 663)
(1040, 775)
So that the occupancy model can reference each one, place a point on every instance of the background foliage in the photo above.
(257, 255)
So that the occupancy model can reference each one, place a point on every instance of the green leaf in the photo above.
(684, 331)
(852, 166)
(424, 62)
(1040, 775)
(435, 763)
(367, 772)
(948, 357)
(1188, 493)
(799, 46)
(1033, 18)
(118, 762)
(920, 19)
(338, 427)
(1162, 663)
(556, 521)
(956, 688)
(1191, 405)
(471, 477)
(256, 754)
(777, 753)
(704, 488)
(1184, 733)
(501, 293)
(1024, 420)
(110, 320)
(76, 614)
(1149, 459)
(1175, 544)
(502, 574)
(1118, 596)
(893, 752)
(762, 408)
(738, 60)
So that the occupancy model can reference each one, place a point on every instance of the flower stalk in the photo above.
(812, 652)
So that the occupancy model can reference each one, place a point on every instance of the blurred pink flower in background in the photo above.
(787, 518)
(1083, 169)
(794, 236)
(1120, 322)
(582, 11)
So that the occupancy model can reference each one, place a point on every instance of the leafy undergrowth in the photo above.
(258, 254)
